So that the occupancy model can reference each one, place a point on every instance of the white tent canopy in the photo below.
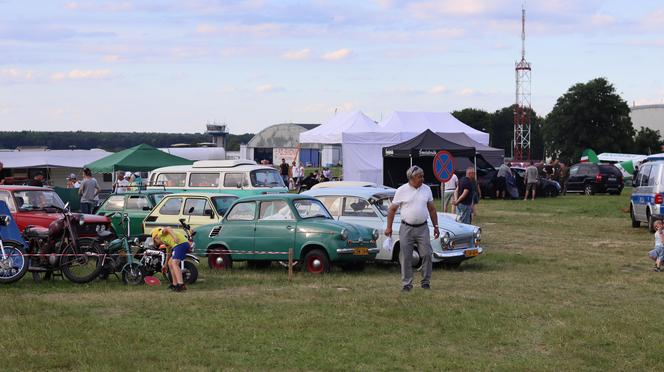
(411, 124)
(331, 130)
(50, 158)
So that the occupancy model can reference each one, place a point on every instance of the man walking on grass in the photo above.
(531, 180)
(416, 203)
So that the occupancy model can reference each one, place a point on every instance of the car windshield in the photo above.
(27, 200)
(266, 178)
(157, 197)
(383, 204)
(307, 208)
(222, 203)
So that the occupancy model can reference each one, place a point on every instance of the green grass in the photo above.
(564, 285)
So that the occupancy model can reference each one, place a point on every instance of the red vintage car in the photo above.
(40, 206)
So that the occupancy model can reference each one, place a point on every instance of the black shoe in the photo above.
(426, 286)
(406, 288)
(171, 287)
(182, 287)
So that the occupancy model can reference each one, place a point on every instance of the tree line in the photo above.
(589, 115)
(108, 141)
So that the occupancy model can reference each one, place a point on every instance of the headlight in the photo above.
(344, 234)
(477, 234)
(375, 234)
(445, 239)
(81, 220)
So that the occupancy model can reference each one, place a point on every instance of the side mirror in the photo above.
(239, 185)
(191, 210)
(209, 212)
(4, 220)
(147, 208)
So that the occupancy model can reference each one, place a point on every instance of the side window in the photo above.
(332, 203)
(235, 179)
(204, 180)
(114, 203)
(137, 202)
(6, 197)
(242, 212)
(171, 179)
(357, 207)
(574, 171)
(171, 207)
(652, 177)
(644, 175)
(277, 210)
(196, 206)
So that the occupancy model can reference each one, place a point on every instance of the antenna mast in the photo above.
(522, 109)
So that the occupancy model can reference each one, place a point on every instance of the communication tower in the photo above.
(522, 108)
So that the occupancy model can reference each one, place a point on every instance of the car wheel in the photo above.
(316, 262)
(220, 261)
(550, 192)
(588, 189)
(651, 222)
(635, 223)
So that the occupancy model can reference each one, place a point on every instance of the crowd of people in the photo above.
(293, 175)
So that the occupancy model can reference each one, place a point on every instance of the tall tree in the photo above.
(647, 141)
(478, 119)
(589, 115)
(502, 132)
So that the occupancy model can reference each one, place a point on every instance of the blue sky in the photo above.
(172, 66)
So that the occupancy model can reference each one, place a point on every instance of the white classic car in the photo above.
(368, 206)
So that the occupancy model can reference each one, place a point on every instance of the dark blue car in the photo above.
(13, 264)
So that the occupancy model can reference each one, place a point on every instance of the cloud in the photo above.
(17, 75)
(337, 54)
(207, 29)
(269, 88)
(432, 9)
(109, 6)
(81, 75)
(654, 19)
(438, 89)
(601, 19)
(111, 58)
(297, 54)
(467, 92)
(255, 30)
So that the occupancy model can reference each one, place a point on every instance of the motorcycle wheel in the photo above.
(14, 265)
(189, 274)
(82, 265)
(133, 274)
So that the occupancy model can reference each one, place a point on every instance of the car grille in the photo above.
(215, 231)
(463, 243)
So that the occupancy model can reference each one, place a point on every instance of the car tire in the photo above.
(220, 261)
(588, 189)
(550, 192)
(651, 222)
(635, 223)
(415, 263)
(316, 262)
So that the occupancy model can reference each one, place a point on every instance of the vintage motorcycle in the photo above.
(58, 249)
(13, 263)
(117, 254)
(153, 259)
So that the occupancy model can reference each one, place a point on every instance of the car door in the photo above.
(642, 197)
(333, 204)
(275, 230)
(164, 214)
(114, 205)
(237, 230)
(359, 211)
(199, 211)
(576, 176)
(137, 207)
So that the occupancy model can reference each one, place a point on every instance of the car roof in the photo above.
(198, 194)
(282, 196)
(24, 188)
(365, 192)
(143, 192)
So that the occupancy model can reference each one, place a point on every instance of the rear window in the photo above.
(171, 207)
(114, 203)
(266, 178)
(610, 169)
(204, 180)
(171, 179)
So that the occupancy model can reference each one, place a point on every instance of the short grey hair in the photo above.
(414, 171)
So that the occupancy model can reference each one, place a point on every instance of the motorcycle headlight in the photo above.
(375, 234)
(81, 220)
(344, 234)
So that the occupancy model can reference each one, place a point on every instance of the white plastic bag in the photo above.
(387, 244)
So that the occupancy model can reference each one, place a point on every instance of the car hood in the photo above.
(445, 224)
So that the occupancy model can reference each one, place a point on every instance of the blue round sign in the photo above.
(443, 166)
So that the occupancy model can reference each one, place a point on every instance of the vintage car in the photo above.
(196, 208)
(39, 206)
(368, 206)
(136, 205)
(262, 229)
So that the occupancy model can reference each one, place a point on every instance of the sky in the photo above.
(173, 66)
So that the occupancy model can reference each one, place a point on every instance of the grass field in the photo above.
(564, 285)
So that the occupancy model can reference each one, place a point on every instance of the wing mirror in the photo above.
(146, 208)
(4, 220)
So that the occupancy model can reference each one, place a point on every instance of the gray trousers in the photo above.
(408, 238)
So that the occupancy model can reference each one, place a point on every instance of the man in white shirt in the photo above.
(450, 188)
(416, 203)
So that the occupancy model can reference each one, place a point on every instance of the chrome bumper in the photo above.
(351, 250)
(455, 253)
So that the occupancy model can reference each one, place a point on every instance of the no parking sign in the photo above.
(443, 166)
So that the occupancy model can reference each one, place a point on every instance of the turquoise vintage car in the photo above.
(261, 229)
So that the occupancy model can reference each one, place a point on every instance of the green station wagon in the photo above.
(262, 229)
(137, 205)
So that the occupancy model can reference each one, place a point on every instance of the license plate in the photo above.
(361, 251)
(471, 252)
(612, 178)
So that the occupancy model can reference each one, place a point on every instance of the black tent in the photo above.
(492, 155)
(419, 151)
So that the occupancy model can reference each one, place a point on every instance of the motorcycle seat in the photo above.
(35, 232)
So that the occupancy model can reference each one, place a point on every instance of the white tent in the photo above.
(50, 158)
(345, 122)
(411, 124)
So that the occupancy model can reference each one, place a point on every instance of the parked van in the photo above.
(237, 177)
(647, 201)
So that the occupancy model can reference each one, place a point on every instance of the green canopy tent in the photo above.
(141, 158)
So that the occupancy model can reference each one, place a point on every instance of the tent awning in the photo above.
(141, 158)
(50, 158)
(427, 143)
(330, 132)
(412, 123)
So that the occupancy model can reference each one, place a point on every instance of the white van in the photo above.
(647, 201)
(237, 177)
